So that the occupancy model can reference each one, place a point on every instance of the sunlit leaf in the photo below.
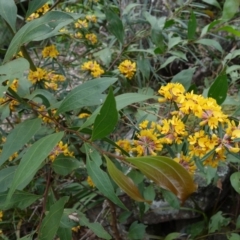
(124, 182)
(166, 173)
(107, 118)
(51, 222)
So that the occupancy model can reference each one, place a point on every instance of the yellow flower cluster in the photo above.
(84, 115)
(81, 23)
(50, 79)
(60, 149)
(90, 182)
(209, 142)
(43, 113)
(93, 67)
(50, 51)
(41, 11)
(91, 18)
(127, 68)
(7, 100)
(91, 37)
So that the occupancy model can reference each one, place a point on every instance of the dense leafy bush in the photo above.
(100, 100)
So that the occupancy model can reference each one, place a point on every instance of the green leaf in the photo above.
(19, 199)
(235, 181)
(51, 222)
(18, 137)
(136, 231)
(172, 236)
(166, 173)
(8, 11)
(213, 3)
(124, 182)
(96, 227)
(107, 118)
(238, 222)
(6, 176)
(210, 43)
(192, 26)
(219, 89)
(233, 236)
(28, 237)
(13, 69)
(171, 198)
(34, 5)
(37, 30)
(64, 233)
(217, 221)
(86, 94)
(33, 159)
(230, 8)
(196, 229)
(64, 165)
(99, 177)
(158, 40)
(114, 25)
(184, 77)
(122, 101)
(173, 41)
(144, 66)
(168, 61)
(105, 55)
(231, 30)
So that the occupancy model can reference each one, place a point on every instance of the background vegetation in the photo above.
(119, 119)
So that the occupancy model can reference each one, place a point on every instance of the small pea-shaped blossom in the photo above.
(91, 18)
(127, 68)
(81, 24)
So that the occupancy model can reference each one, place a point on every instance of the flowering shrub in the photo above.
(82, 124)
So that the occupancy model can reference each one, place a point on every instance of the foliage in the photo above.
(93, 108)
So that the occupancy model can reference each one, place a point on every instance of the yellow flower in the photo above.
(36, 76)
(78, 35)
(13, 157)
(124, 144)
(60, 149)
(186, 162)
(171, 91)
(81, 24)
(84, 115)
(14, 85)
(41, 11)
(91, 37)
(50, 51)
(90, 182)
(91, 18)
(127, 68)
(93, 67)
(76, 229)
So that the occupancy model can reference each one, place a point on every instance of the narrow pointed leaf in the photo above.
(96, 227)
(230, 8)
(99, 177)
(210, 43)
(107, 118)
(166, 173)
(219, 89)
(192, 26)
(35, 5)
(86, 94)
(37, 30)
(114, 25)
(8, 11)
(18, 137)
(20, 200)
(51, 222)
(124, 182)
(33, 159)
